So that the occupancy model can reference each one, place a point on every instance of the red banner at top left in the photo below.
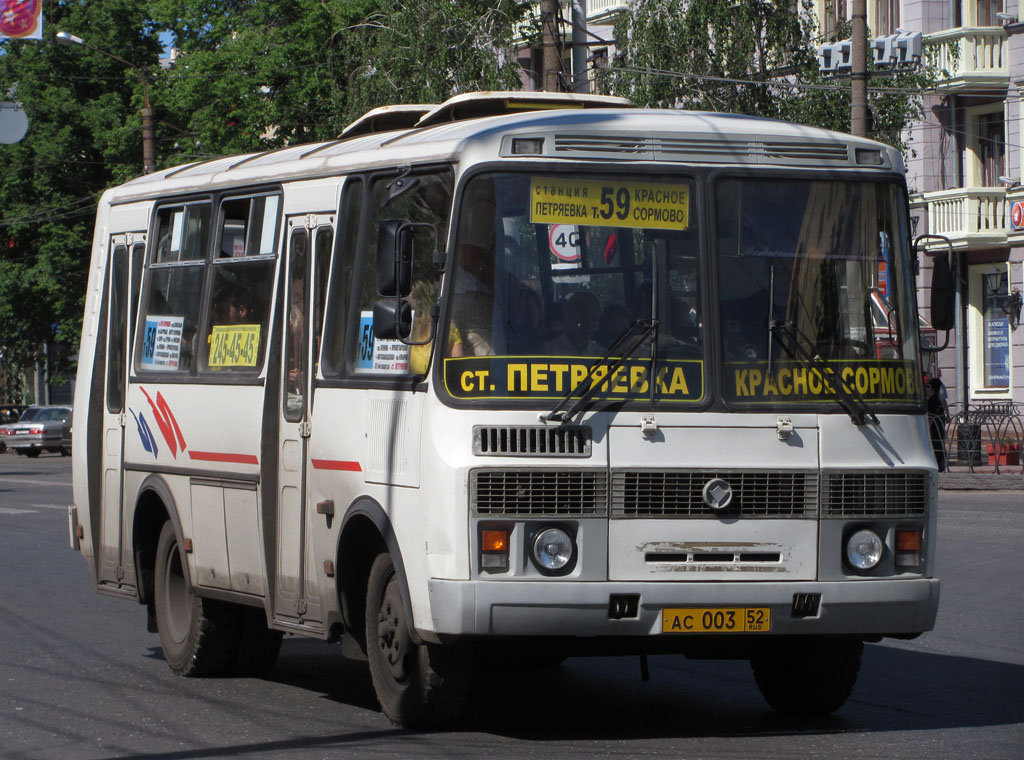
(21, 19)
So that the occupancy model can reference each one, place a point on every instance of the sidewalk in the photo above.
(984, 478)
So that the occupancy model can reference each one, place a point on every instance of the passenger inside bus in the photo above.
(582, 314)
(232, 306)
(474, 278)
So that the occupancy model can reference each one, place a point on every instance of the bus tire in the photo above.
(257, 647)
(417, 685)
(197, 635)
(807, 676)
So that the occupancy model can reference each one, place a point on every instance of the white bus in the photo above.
(520, 376)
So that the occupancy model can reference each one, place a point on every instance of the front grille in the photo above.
(874, 494)
(520, 441)
(675, 493)
(539, 492)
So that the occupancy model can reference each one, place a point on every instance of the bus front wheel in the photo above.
(807, 676)
(197, 635)
(417, 685)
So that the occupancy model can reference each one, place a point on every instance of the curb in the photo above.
(980, 481)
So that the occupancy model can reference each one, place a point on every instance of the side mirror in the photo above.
(394, 258)
(392, 320)
(943, 293)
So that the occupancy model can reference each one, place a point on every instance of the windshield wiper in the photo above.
(847, 395)
(588, 386)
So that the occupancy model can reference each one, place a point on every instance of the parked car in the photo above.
(43, 432)
(10, 414)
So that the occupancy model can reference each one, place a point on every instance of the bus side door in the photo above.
(127, 252)
(297, 596)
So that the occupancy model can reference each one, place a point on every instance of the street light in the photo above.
(148, 143)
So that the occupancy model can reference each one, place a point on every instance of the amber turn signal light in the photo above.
(494, 548)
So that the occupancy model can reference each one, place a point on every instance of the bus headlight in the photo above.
(553, 551)
(864, 549)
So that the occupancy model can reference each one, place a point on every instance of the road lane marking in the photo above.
(9, 511)
(27, 482)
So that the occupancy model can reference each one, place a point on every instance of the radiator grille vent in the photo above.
(539, 492)
(527, 441)
(875, 494)
(673, 493)
(628, 146)
(668, 148)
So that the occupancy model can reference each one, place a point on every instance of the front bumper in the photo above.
(554, 608)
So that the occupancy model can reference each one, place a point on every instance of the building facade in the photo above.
(964, 169)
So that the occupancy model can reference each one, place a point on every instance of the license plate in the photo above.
(716, 620)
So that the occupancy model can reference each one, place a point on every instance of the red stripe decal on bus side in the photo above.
(213, 456)
(336, 464)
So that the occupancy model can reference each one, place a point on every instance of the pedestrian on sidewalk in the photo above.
(937, 419)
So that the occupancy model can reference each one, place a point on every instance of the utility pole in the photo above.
(552, 58)
(580, 82)
(859, 70)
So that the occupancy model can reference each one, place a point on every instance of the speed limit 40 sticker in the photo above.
(564, 241)
(609, 203)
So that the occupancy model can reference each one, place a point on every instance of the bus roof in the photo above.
(571, 131)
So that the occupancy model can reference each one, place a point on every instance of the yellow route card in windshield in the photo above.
(609, 203)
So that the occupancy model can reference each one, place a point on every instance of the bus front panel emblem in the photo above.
(717, 494)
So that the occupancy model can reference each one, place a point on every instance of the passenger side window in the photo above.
(170, 319)
(209, 310)
(242, 285)
(422, 199)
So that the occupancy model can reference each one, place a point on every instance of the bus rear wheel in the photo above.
(197, 635)
(807, 676)
(417, 685)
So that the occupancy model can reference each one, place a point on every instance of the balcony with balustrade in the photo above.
(971, 217)
(969, 58)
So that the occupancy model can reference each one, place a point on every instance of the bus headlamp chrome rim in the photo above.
(864, 549)
(553, 550)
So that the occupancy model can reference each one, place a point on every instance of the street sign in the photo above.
(13, 122)
(1017, 215)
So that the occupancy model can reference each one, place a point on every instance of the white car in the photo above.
(43, 432)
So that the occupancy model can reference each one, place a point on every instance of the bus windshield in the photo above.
(549, 271)
(802, 266)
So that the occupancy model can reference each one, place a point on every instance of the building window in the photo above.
(834, 17)
(985, 155)
(985, 12)
(991, 357)
(887, 17)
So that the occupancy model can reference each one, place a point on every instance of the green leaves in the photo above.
(755, 57)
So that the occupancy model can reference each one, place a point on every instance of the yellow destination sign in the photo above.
(609, 203)
(873, 379)
(234, 345)
(552, 377)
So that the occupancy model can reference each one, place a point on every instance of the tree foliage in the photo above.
(426, 51)
(84, 135)
(753, 57)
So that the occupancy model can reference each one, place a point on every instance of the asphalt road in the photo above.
(81, 678)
